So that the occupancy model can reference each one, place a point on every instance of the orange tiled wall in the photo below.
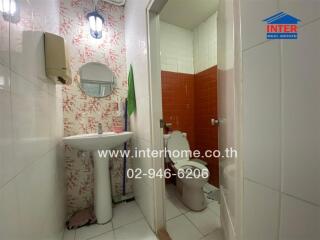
(178, 102)
(189, 102)
(205, 105)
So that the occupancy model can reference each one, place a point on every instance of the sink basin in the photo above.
(102, 188)
(94, 141)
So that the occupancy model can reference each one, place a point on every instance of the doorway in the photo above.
(184, 92)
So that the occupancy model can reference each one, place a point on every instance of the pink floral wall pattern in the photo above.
(83, 113)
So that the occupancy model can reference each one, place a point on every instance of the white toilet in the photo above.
(190, 189)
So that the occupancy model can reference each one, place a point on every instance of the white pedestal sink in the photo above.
(102, 189)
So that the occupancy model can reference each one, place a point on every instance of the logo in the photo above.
(282, 26)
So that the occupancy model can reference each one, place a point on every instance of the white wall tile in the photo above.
(188, 51)
(144, 196)
(297, 97)
(32, 121)
(253, 12)
(10, 225)
(261, 212)
(27, 53)
(299, 220)
(301, 115)
(305, 10)
(41, 177)
(136, 45)
(205, 44)
(7, 165)
(4, 42)
(261, 70)
(32, 169)
(176, 46)
(4, 78)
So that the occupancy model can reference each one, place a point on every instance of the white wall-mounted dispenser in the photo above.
(56, 57)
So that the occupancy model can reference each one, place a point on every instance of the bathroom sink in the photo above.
(102, 188)
(94, 141)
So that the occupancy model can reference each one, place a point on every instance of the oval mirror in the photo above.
(96, 79)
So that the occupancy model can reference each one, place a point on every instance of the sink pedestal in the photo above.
(102, 189)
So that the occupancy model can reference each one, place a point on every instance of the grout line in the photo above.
(203, 235)
(174, 216)
(300, 199)
(38, 159)
(99, 235)
(266, 41)
(135, 221)
(310, 22)
(284, 193)
(255, 45)
(264, 185)
(281, 136)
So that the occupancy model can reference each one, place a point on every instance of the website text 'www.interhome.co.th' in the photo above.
(151, 153)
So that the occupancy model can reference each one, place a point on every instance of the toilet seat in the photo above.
(178, 141)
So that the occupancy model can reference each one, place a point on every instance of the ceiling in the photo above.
(188, 13)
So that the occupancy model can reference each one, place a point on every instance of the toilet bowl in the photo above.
(190, 184)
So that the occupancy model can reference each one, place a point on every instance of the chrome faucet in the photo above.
(100, 131)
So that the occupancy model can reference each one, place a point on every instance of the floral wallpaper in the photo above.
(83, 113)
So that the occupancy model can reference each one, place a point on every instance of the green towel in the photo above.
(131, 94)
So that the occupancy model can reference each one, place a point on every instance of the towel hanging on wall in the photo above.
(132, 107)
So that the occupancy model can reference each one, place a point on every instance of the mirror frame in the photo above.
(77, 79)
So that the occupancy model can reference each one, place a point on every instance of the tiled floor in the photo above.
(127, 223)
(183, 224)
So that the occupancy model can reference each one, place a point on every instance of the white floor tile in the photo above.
(91, 231)
(106, 236)
(69, 235)
(215, 206)
(178, 204)
(171, 190)
(172, 194)
(171, 210)
(135, 231)
(181, 228)
(206, 221)
(126, 213)
(216, 235)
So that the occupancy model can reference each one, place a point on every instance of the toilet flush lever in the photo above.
(215, 122)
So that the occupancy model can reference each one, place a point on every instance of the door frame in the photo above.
(154, 70)
(154, 67)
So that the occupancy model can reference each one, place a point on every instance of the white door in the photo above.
(229, 103)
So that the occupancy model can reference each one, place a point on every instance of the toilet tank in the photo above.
(165, 141)
(166, 137)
